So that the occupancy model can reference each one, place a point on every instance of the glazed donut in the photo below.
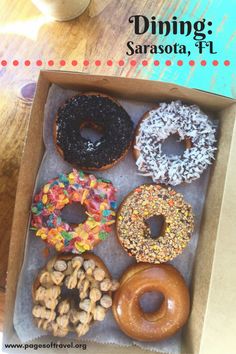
(193, 128)
(151, 326)
(101, 113)
(70, 293)
(134, 233)
(97, 195)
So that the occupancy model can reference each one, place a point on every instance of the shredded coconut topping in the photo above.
(187, 122)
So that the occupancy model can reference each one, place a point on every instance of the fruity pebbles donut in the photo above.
(101, 113)
(134, 233)
(193, 128)
(97, 195)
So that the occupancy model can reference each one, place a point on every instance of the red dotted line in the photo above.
(110, 62)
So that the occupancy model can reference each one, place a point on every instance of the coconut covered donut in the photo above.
(97, 195)
(101, 113)
(70, 293)
(193, 128)
(134, 233)
(151, 326)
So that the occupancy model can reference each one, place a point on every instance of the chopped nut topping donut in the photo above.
(134, 233)
(193, 128)
(60, 311)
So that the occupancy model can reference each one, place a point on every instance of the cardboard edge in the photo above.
(216, 94)
(206, 269)
(217, 269)
(14, 251)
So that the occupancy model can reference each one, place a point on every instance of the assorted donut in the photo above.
(102, 113)
(97, 195)
(134, 233)
(173, 313)
(74, 289)
(192, 127)
(59, 310)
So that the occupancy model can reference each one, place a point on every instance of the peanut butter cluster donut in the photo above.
(72, 292)
(134, 233)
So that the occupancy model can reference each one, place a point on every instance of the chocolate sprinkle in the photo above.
(100, 113)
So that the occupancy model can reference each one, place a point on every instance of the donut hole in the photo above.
(151, 301)
(91, 132)
(156, 225)
(173, 146)
(71, 295)
(74, 213)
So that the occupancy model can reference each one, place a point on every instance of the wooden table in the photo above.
(101, 33)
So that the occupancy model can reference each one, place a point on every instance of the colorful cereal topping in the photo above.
(97, 195)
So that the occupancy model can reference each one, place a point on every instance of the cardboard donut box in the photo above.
(212, 286)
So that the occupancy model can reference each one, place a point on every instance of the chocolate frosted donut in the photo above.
(101, 113)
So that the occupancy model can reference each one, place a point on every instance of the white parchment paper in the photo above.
(125, 177)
